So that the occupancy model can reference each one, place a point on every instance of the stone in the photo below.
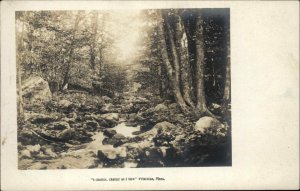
(148, 134)
(140, 100)
(36, 89)
(61, 125)
(64, 104)
(164, 138)
(109, 141)
(119, 136)
(117, 140)
(136, 87)
(206, 123)
(173, 106)
(50, 153)
(128, 108)
(110, 116)
(122, 153)
(72, 115)
(132, 116)
(91, 125)
(66, 134)
(106, 98)
(33, 149)
(105, 123)
(109, 132)
(136, 132)
(109, 155)
(38, 118)
(26, 137)
(25, 154)
(159, 128)
(164, 126)
(106, 108)
(161, 108)
(149, 124)
(150, 157)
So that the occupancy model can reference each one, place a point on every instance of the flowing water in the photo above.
(81, 156)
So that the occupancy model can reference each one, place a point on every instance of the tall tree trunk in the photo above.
(71, 53)
(170, 71)
(226, 96)
(199, 77)
(93, 43)
(161, 81)
(102, 44)
(19, 80)
(185, 71)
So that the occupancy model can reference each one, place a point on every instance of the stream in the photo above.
(84, 155)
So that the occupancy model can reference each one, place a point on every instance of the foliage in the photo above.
(57, 45)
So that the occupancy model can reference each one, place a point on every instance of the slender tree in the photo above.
(20, 44)
(226, 95)
(71, 52)
(94, 39)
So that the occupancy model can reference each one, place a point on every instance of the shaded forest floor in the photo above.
(80, 130)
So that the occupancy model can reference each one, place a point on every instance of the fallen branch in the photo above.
(45, 139)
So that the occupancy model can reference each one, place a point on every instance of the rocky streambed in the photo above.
(81, 156)
(82, 131)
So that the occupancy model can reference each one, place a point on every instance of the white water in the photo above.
(80, 155)
(126, 130)
(96, 144)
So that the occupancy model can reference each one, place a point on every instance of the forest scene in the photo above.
(123, 88)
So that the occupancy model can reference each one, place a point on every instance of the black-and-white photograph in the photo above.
(123, 88)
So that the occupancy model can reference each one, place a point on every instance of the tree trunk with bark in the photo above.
(19, 70)
(66, 77)
(93, 41)
(226, 96)
(171, 72)
(199, 76)
(185, 70)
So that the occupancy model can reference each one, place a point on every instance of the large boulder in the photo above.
(36, 89)
(209, 124)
